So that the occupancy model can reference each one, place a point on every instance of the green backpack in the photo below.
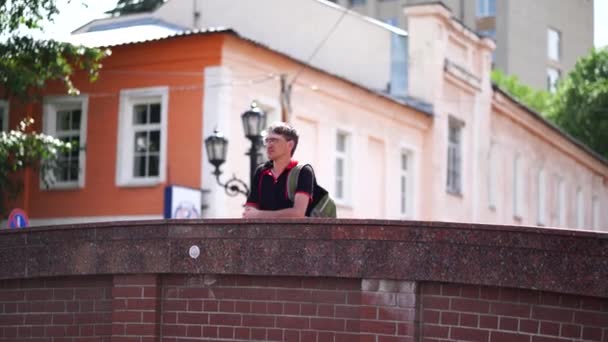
(322, 204)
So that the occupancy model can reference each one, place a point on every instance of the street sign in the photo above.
(18, 219)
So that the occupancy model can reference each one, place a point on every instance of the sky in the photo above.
(73, 14)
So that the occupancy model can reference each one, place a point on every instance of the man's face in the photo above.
(277, 146)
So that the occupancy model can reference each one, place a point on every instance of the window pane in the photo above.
(63, 120)
(404, 162)
(153, 166)
(340, 167)
(73, 171)
(75, 141)
(154, 143)
(139, 166)
(141, 141)
(553, 44)
(140, 114)
(403, 194)
(341, 142)
(155, 113)
(339, 189)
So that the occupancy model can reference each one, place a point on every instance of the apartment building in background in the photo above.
(539, 41)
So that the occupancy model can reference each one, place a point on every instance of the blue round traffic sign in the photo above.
(18, 219)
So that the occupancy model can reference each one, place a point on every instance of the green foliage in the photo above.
(23, 148)
(124, 7)
(538, 100)
(580, 106)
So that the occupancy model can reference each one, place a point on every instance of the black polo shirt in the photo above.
(270, 193)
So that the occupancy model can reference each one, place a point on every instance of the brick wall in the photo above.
(476, 313)
(58, 309)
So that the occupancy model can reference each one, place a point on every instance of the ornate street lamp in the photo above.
(254, 123)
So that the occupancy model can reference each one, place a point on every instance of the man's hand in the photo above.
(250, 212)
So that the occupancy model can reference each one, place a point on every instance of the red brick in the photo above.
(258, 307)
(549, 328)
(224, 319)
(174, 305)
(390, 314)
(121, 292)
(92, 293)
(192, 318)
(573, 302)
(488, 322)
(469, 305)
(328, 297)
(378, 298)
(507, 323)
(430, 289)
(489, 292)
(552, 314)
(87, 330)
(210, 331)
(325, 310)
(242, 307)
(450, 289)
(343, 311)
(54, 331)
(529, 326)
(226, 306)
(510, 309)
(547, 298)
(449, 318)
(406, 329)
(468, 320)
(254, 294)
(193, 292)
(309, 309)
(592, 334)
(174, 330)
(470, 291)
(91, 318)
(12, 295)
(210, 305)
(141, 329)
(242, 333)
(406, 300)
(572, 331)
(226, 332)
(275, 335)
(151, 291)
(368, 312)
(194, 331)
(291, 336)
(439, 303)
(498, 336)
(353, 298)
(290, 322)
(38, 319)
(436, 331)
(149, 316)
(195, 305)
(529, 297)
(141, 304)
(464, 334)
(294, 295)
(327, 324)
(291, 308)
(258, 321)
(126, 316)
(430, 316)
(275, 308)
(509, 295)
(346, 337)
(308, 336)
(376, 327)
(103, 329)
(170, 317)
(289, 282)
(548, 339)
(586, 318)
(63, 319)
(38, 294)
(258, 334)
(325, 337)
(592, 304)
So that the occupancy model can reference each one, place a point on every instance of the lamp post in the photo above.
(254, 122)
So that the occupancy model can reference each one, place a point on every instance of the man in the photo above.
(268, 196)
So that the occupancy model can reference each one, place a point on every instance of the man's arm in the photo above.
(300, 204)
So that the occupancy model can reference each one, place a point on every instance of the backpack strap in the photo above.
(292, 181)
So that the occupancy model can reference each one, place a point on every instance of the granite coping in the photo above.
(549, 259)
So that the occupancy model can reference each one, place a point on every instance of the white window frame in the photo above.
(541, 197)
(455, 158)
(580, 208)
(492, 176)
(5, 115)
(553, 77)
(483, 8)
(561, 204)
(346, 157)
(126, 131)
(554, 44)
(406, 175)
(595, 205)
(518, 187)
(51, 105)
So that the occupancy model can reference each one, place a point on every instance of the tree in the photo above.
(124, 7)
(580, 106)
(538, 100)
(26, 66)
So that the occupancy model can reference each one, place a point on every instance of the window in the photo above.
(486, 8)
(541, 198)
(492, 176)
(65, 118)
(596, 212)
(142, 138)
(342, 166)
(454, 181)
(553, 45)
(405, 184)
(356, 3)
(3, 116)
(553, 76)
(580, 209)
(561, 204)
(518, 187)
